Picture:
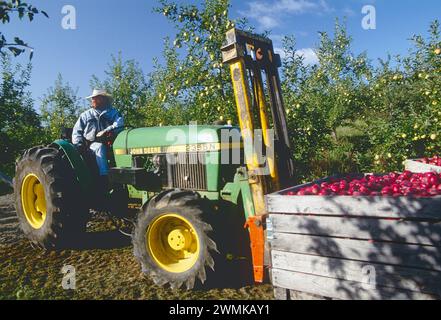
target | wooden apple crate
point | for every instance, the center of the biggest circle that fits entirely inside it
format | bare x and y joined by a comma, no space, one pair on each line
343,247
419,167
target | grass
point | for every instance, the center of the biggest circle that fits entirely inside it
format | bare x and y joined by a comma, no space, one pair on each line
102,272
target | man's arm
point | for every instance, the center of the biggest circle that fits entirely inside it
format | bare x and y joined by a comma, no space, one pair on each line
118,122
77,132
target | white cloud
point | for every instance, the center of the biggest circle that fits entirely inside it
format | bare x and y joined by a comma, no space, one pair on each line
269,14
349,12
280,52
309,56
268,22
294,6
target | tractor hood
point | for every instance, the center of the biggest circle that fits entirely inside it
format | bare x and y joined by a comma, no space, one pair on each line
175,136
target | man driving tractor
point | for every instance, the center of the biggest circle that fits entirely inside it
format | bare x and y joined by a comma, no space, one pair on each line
92,126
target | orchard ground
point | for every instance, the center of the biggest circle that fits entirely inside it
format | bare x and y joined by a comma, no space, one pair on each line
105,268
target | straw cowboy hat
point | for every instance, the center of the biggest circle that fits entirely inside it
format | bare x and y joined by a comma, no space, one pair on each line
99,92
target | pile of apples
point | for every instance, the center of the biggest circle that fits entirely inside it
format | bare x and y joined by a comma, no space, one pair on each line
389,185
436,161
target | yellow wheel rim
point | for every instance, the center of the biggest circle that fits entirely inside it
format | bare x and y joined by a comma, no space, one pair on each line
173,243
33,201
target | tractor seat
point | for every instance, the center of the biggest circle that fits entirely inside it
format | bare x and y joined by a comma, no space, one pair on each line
66,134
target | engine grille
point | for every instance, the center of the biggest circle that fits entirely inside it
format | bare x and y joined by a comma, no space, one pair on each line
186,172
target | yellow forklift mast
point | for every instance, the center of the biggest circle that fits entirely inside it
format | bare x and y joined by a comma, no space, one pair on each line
254,73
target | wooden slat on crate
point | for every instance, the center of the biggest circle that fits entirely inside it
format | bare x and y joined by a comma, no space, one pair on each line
424,257
419,167
280,293
286,294
414,232
380,207
384,275
298,295
340,289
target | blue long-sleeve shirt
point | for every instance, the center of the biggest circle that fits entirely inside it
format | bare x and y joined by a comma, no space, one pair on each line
93,121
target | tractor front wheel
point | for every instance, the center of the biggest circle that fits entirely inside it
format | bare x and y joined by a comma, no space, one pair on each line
170,239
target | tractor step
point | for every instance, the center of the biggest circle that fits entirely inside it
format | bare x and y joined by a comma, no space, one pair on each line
140,178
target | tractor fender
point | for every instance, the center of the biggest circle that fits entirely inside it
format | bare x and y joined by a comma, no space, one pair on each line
82,172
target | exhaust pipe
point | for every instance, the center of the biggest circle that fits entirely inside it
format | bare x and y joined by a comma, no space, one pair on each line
6,179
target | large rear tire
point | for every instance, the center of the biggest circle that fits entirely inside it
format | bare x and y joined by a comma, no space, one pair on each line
170,239
48,200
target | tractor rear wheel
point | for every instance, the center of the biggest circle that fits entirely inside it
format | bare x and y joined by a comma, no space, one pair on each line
170,239
46,198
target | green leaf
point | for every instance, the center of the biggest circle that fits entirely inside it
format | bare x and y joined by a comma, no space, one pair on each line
15,51
19,42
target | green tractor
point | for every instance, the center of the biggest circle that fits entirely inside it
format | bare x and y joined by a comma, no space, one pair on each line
191,199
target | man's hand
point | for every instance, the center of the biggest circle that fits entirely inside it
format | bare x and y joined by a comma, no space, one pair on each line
100,134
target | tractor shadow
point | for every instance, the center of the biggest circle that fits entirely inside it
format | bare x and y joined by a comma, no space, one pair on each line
228,274
101,234
233,268
104,240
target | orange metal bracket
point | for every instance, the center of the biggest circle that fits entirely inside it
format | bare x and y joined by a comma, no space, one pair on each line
255,225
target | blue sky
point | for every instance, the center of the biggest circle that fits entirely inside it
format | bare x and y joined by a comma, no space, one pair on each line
106,27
